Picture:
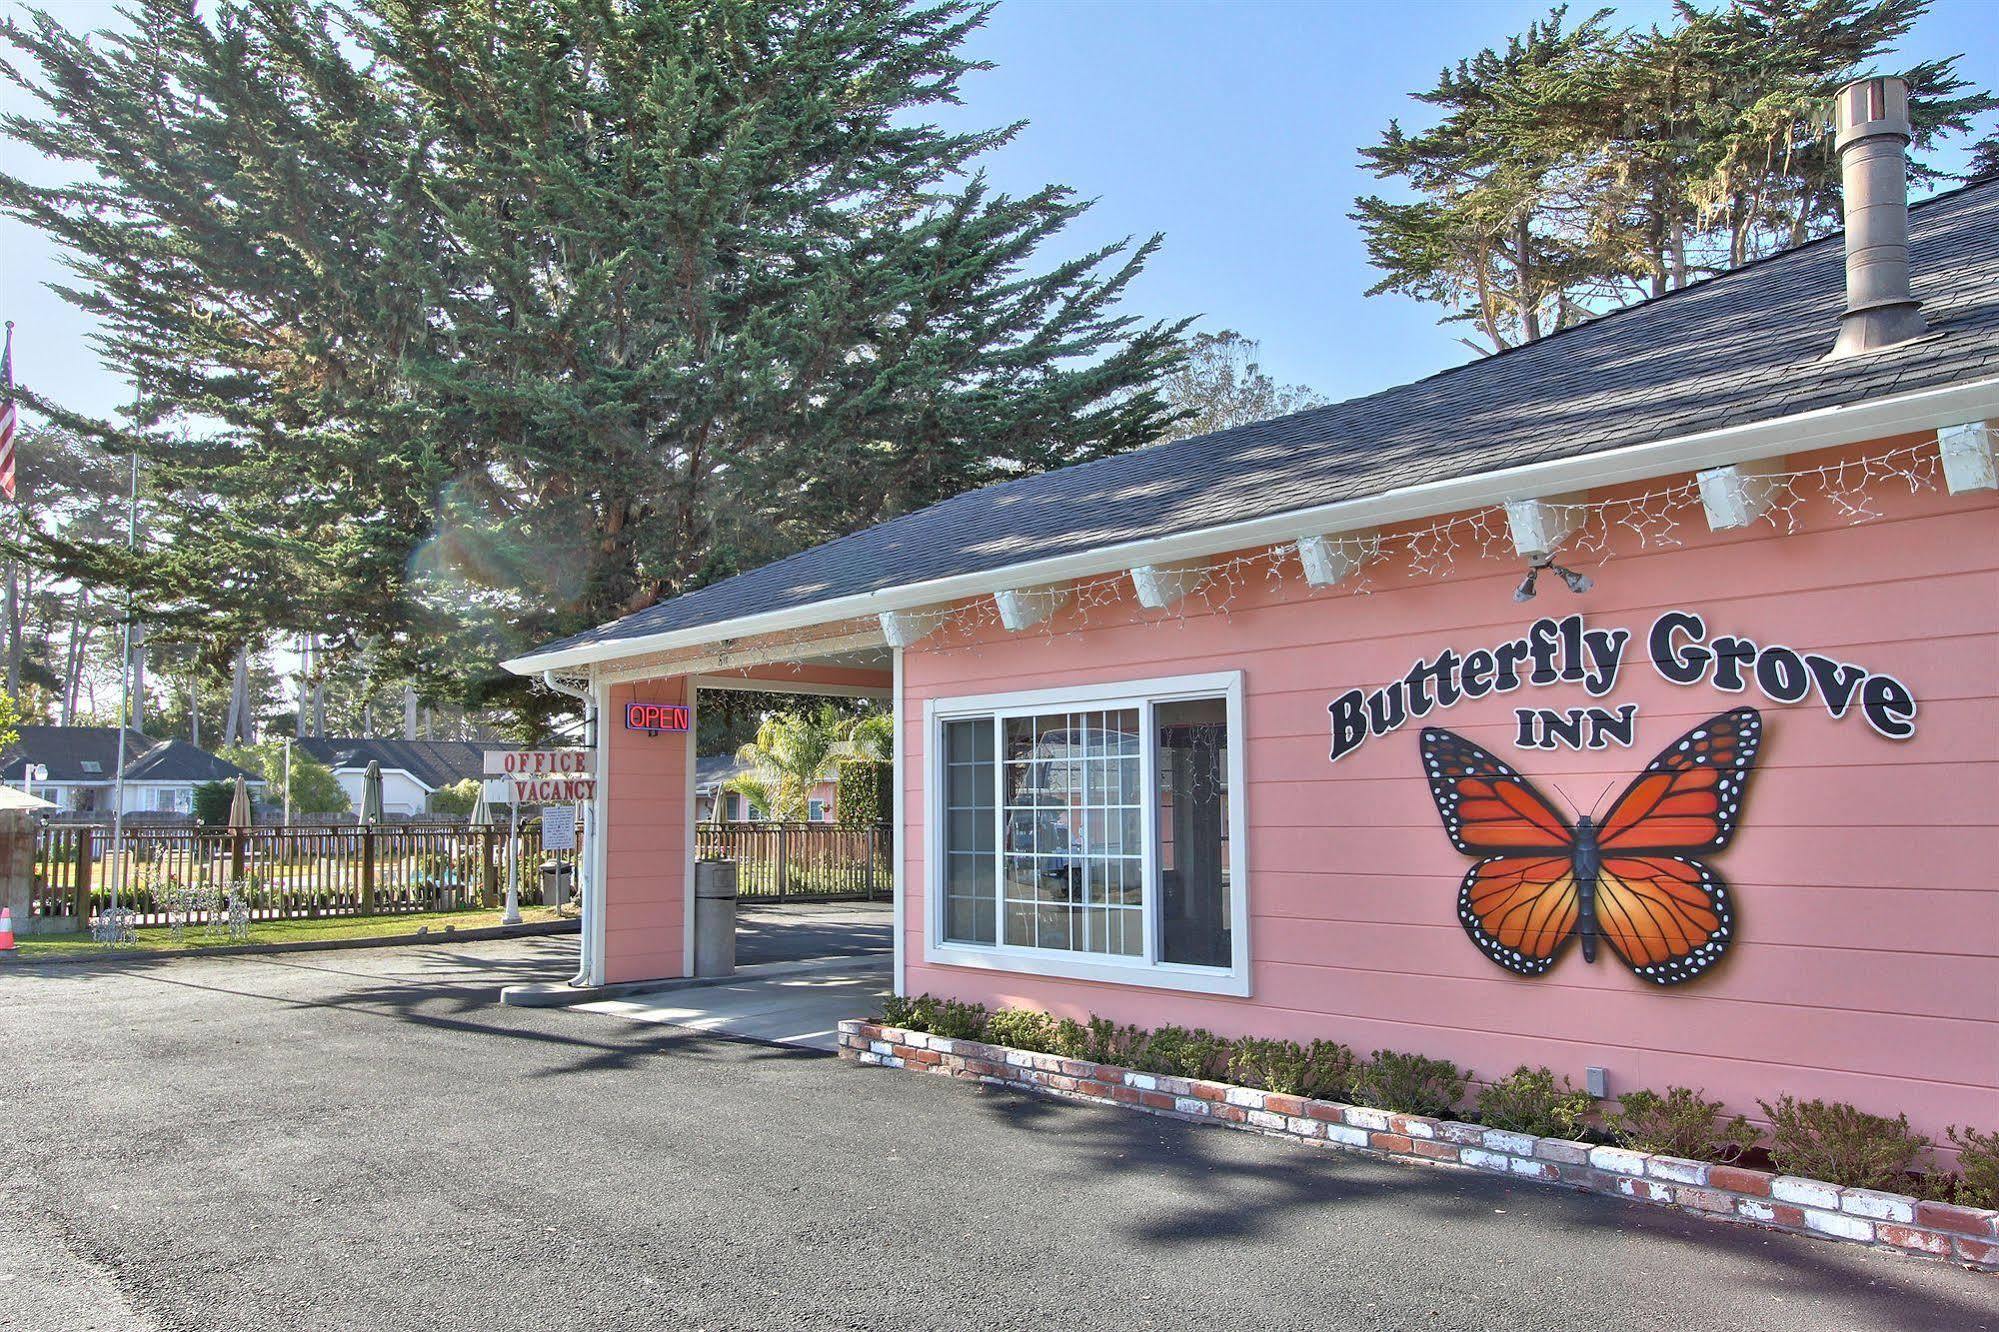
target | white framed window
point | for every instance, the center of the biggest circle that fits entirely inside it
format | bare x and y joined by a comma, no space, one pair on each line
816,811
1093,832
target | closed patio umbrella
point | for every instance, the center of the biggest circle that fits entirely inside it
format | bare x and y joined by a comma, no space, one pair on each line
371,793
239,806
239,825
483,818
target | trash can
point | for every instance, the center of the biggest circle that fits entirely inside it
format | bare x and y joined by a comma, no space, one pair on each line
715,918
556,879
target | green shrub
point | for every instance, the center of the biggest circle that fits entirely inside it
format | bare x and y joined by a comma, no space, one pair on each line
900,1010
1023,1029
1183,1053
960,1022
211,803
1841,1144
1531,1100
863,791
1683,1122
1978,1167
1322,1070
939,1017
1108,1043
1072,1039
1409,1084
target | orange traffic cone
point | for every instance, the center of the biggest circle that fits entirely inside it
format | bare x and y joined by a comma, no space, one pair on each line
6,930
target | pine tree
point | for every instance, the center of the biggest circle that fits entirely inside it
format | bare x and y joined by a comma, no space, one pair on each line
455,326
1577,170
1483,238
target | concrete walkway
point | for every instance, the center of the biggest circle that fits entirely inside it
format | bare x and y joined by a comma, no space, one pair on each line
799,930
789,1010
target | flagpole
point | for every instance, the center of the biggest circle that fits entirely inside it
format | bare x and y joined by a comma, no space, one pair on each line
124,698
13,560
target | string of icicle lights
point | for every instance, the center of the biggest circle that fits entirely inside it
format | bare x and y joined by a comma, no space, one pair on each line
1656,519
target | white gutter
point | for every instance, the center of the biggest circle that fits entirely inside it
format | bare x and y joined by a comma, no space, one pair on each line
1827,427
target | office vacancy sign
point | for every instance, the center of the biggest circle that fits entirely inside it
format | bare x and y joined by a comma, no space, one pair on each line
545,776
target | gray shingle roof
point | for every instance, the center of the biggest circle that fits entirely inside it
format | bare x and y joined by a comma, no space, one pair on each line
1739,348
89,754
435,763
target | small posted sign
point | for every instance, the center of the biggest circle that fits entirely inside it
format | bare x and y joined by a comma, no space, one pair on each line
558,828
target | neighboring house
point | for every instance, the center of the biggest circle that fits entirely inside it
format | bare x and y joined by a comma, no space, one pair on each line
412,770
711,773
82,762
1260,731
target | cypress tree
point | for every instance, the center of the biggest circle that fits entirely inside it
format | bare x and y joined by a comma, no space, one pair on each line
455,326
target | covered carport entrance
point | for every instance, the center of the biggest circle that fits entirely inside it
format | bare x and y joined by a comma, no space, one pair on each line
643,834
814,879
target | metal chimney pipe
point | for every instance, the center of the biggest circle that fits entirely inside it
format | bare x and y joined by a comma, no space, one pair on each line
1874,129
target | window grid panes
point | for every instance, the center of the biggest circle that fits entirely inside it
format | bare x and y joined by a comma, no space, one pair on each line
1073,854
970,868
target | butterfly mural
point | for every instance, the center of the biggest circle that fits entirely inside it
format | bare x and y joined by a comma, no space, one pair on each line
1635,881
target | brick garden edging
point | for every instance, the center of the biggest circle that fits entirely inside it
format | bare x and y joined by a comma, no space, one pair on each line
1722,1192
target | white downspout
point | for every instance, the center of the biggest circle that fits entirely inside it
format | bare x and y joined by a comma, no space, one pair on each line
590,895
898,821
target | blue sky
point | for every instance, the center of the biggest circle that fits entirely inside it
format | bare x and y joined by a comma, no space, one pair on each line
1230,127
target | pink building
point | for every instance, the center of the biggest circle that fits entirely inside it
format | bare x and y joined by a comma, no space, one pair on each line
1254,732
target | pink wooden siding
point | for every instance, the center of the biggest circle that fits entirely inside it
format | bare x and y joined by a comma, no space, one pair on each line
645,854
1866,961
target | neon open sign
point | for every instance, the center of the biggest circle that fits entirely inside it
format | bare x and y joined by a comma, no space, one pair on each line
653,718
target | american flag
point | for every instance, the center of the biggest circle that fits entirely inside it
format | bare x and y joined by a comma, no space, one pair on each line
10,417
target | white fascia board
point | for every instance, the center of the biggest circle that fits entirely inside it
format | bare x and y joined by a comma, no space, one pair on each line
1825,428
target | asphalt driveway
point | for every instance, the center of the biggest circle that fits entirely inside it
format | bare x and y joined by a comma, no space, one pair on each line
365,1140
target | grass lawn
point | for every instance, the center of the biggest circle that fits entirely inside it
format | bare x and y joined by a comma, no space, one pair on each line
323,929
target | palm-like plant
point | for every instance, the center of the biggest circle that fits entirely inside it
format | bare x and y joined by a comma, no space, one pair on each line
794,752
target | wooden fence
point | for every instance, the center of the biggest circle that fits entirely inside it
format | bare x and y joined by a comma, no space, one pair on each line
780,861
284,873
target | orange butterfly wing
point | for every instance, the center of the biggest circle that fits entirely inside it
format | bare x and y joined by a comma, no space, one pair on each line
1520,905
1487,807
1670,918
1520,910
1690,797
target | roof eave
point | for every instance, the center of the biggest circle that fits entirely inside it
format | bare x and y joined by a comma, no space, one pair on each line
1826,427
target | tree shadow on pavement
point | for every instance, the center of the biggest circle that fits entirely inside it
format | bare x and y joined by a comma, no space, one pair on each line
469,1006
1235,1185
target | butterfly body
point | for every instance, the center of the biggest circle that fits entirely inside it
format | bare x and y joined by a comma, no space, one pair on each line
1588,858
1635,881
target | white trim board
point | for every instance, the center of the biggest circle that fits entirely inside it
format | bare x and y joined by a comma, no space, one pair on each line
1827,427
